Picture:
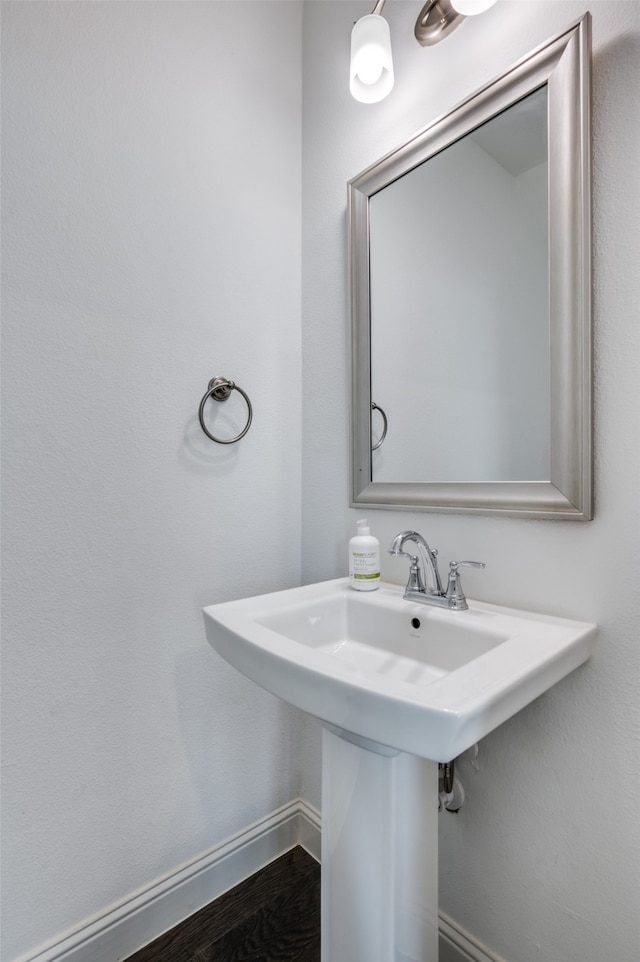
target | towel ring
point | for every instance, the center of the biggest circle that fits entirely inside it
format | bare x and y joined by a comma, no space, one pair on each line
220,389
376,407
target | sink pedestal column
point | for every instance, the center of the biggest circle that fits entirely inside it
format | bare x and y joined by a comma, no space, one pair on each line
379,855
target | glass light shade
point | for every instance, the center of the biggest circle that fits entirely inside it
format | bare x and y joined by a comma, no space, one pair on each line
371,73
470,7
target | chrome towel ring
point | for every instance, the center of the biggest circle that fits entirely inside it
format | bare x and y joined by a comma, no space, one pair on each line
376,407
220,390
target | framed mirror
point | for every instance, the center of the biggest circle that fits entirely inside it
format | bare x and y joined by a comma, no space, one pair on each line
470,249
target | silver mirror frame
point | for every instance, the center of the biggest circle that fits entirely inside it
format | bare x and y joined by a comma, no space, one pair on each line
564,65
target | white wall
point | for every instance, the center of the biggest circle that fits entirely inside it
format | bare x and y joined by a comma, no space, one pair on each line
151,162
542,862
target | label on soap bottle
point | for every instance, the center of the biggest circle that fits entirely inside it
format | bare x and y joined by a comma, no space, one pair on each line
365,565
364,569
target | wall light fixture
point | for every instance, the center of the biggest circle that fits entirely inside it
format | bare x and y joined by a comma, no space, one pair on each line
371,72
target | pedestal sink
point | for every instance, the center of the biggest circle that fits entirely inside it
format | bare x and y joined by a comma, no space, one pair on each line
398,687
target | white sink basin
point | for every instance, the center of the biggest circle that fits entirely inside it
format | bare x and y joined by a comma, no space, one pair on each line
404,676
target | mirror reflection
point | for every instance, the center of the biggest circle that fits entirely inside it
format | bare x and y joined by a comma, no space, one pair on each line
460,308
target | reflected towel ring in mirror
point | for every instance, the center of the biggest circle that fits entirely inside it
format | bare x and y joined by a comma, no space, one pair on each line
385,425
220,390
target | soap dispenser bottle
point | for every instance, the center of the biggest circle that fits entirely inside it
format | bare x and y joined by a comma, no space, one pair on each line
364,559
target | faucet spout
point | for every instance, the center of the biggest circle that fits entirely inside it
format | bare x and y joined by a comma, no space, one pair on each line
429,560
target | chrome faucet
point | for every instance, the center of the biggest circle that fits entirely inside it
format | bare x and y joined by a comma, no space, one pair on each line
427,589
433,586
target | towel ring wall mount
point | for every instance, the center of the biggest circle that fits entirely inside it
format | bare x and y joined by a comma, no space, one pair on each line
220,389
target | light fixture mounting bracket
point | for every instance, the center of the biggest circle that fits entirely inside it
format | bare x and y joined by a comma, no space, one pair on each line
436,20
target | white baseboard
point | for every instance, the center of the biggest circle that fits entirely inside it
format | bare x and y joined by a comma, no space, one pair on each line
456,945
138,920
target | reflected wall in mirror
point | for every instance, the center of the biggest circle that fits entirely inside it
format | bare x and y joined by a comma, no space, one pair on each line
436,236
470,258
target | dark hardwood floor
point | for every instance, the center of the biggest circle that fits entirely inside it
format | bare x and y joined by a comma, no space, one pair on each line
274,916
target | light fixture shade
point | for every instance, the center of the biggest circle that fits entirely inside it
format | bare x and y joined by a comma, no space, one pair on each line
371,73
470,7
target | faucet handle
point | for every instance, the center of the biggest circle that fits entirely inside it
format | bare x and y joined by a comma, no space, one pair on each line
415,582
454,565
454,592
